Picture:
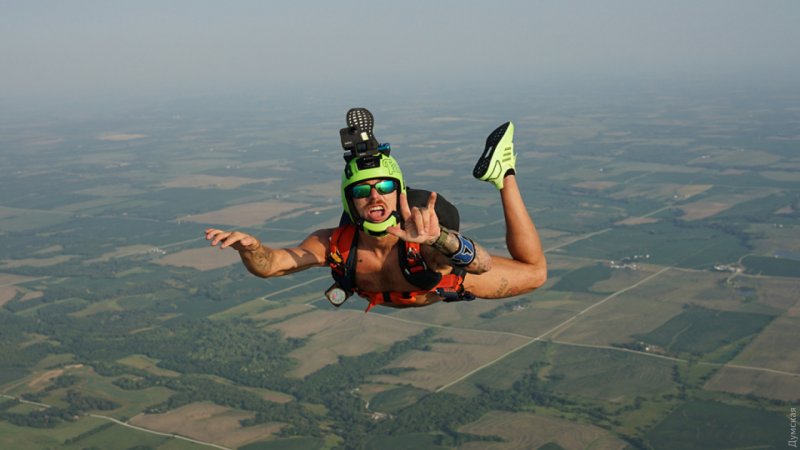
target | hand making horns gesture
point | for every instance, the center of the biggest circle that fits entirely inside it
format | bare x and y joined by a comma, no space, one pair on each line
420,225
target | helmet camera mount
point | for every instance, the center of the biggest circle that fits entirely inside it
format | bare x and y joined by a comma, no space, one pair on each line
357,137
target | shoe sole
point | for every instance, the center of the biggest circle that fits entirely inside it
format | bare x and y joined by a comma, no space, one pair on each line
482,166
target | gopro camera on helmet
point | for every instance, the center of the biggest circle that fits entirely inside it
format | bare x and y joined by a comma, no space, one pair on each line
357,142
357,137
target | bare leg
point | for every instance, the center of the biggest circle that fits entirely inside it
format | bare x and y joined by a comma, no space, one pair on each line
527,268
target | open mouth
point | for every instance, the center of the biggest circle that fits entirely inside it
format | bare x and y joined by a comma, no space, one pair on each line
376,213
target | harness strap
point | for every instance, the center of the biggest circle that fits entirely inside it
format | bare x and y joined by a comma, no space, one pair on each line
342,260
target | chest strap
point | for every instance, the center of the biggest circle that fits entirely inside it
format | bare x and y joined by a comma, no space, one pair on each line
342,261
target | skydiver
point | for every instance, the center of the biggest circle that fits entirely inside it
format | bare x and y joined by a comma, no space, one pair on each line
399,255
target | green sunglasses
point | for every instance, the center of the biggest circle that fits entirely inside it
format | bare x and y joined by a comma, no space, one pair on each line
383,187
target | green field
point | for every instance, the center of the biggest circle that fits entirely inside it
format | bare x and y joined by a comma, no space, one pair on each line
705,425
106,320
395,399
699,330
608,375
301,443
771,266
582,280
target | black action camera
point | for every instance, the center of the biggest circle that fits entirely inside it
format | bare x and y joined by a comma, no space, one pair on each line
358,142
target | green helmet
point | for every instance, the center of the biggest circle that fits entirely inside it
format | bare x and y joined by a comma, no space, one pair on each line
370,167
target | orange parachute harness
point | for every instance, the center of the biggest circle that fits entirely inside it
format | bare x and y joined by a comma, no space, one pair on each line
342,261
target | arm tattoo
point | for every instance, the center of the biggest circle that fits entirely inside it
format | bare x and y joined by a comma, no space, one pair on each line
258,261
503,289
449,244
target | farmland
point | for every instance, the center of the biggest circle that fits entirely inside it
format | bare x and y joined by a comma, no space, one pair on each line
669,317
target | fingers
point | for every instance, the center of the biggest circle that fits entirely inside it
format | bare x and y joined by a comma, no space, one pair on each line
432,201
227,239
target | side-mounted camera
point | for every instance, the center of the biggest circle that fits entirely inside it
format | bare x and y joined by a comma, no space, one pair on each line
357,138
358,142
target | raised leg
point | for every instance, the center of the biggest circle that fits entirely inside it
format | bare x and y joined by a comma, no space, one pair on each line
526,270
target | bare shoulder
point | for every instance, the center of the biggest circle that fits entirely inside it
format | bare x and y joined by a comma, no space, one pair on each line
318,241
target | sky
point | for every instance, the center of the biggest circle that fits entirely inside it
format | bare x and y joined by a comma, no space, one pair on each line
84,48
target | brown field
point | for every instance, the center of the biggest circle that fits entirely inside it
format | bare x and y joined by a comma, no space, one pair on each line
702,209
447,361
762,384
615,320
535,319
120,137
775,347
207,422
595,185
654,191
709,207
682,286
213,181
690,190
39,381
279,313
35,262
31,295
246,215
203,259
461,314
6,294
147,364
530,431
637,221
779,293
121,251
335,333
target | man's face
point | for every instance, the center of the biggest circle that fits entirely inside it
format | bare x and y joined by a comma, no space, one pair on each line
374,206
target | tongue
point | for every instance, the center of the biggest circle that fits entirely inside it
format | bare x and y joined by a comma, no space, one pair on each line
375,215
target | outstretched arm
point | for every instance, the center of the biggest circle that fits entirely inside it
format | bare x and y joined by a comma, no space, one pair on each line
264,261
421,225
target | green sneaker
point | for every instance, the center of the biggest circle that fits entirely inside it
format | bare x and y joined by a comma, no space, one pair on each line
498,158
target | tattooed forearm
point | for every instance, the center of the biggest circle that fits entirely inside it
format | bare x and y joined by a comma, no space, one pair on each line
259,261
449,243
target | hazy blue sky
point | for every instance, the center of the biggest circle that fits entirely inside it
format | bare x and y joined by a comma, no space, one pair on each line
79,47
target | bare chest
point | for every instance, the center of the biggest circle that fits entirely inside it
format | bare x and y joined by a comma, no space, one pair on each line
376,273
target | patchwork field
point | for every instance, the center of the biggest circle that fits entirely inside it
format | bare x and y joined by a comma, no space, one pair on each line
774,348
207,422
530,431
459,354
746,381
246,215
203,259
331,335
668,321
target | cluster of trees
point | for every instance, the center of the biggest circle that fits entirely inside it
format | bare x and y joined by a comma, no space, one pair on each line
45,417
41,418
